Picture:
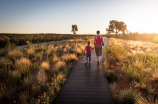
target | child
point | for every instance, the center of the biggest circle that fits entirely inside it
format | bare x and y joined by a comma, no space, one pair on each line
88,52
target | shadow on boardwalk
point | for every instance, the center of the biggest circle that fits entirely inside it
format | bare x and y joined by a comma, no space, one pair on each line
86,84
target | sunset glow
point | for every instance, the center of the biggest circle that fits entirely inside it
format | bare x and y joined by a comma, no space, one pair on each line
57,16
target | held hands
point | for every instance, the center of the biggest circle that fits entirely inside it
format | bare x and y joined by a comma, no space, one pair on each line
85,52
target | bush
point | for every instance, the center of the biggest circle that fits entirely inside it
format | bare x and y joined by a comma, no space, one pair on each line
111,76
60,79
115,53
3,53
127,96
35,65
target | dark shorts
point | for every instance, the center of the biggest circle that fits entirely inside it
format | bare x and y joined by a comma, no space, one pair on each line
98,50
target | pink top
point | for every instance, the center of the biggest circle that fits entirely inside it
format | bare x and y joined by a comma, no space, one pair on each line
98,40
88,49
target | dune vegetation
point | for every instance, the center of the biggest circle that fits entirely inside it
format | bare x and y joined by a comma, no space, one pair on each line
131,68
35,73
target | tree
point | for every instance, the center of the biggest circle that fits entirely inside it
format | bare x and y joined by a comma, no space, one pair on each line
74,29
117,27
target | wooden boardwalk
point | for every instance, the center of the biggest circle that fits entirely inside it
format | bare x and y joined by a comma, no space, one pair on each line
86,84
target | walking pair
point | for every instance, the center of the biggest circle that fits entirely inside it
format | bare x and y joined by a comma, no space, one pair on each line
98,42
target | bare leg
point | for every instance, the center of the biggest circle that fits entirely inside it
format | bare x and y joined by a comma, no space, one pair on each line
97,58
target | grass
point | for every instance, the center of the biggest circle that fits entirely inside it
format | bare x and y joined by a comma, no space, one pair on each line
16,75
31,51
35,88
127,96
15,54
78,50
143,100
28,81
111,76
23,64
41,77
38,70
24,96
58,66
45,65
73,57
135,63
55,57
5,63
66,57
155,76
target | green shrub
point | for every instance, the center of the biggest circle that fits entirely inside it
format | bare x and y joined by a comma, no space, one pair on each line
39,50
5,63
9,45
127,96
3,53
115,53
111,76
60,79
35,65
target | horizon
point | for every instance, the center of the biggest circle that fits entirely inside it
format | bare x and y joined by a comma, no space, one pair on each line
58,16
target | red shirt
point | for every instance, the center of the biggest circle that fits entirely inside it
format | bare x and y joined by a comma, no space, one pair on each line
98,40
88,49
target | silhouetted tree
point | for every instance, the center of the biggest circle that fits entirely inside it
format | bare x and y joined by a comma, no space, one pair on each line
74,29
117,27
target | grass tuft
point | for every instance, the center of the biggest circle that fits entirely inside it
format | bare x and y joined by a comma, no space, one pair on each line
41,77
15,54
45,65
28,81
127,96
59,65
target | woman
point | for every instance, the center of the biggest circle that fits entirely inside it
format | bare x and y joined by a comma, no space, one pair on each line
98,42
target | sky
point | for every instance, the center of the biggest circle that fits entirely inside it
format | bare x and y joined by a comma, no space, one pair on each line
57,16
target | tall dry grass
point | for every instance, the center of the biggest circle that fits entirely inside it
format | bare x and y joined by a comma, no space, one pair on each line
138,63
15,53
73,56
31,51
45,65
23,64
142,100
41,77
34,82
28,81
58,66
16,75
